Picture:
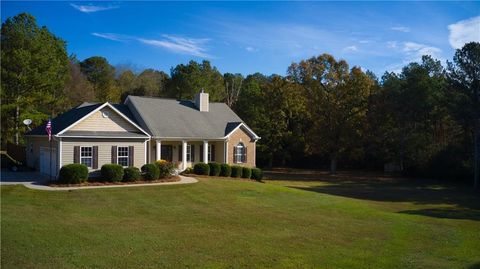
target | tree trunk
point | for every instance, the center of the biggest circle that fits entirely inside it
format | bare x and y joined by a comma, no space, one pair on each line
476,139
333,164
17,119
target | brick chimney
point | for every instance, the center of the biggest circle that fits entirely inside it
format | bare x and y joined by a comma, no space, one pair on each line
201,101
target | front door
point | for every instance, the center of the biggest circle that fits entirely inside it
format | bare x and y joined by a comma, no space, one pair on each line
167,153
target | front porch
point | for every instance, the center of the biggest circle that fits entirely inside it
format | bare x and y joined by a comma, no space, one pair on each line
192,151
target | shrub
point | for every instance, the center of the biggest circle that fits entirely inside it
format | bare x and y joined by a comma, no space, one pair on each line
131,174
257,174
201,169
246,172
215,169
165,168
73,173
111,172
150,171
237,171
189,170
225,170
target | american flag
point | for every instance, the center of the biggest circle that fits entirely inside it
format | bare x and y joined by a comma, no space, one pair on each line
48,128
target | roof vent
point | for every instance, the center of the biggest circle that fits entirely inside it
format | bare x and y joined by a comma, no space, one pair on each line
201,101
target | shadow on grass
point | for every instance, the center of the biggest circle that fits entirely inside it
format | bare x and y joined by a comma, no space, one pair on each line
475,266
378,187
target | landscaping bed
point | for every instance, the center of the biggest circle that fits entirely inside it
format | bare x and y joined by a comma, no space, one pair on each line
103,183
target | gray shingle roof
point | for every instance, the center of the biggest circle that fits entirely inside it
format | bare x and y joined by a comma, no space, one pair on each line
103,134
171,118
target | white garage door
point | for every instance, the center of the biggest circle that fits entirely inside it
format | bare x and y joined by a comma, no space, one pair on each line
48,162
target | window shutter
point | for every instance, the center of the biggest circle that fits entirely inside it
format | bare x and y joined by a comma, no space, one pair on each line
76,154
234,154
192,153
131,156
213,153
95,157
114,154
201,153
180,153
245,154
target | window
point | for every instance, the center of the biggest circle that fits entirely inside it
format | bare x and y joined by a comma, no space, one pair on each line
189,153
210,153
240,153
122,156
86,156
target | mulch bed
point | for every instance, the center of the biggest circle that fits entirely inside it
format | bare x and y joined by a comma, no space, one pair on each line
220,177
97,183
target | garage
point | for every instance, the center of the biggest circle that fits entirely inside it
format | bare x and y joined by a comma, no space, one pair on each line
48,161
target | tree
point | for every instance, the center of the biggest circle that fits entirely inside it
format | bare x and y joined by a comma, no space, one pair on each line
464,77
338,101
78,89
101,74
280,120
187,80
150,83
34,70
233,87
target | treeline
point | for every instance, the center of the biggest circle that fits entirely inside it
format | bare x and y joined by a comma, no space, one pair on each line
322,114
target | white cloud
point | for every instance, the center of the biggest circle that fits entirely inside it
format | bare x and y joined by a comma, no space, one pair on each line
110,36
464,31
415,51
350,49
250,49
92,8
392,44
181,45
400,29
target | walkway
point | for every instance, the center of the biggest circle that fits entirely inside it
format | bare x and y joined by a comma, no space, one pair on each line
34,180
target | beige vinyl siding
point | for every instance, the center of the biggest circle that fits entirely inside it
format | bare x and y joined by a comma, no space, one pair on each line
113,123
241,135
104,149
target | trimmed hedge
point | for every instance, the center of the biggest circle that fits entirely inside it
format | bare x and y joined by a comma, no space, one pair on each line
215,169
237,171
257,174
165,168
201,169
73,173
246,172
111,172
150,171
225,170
131,174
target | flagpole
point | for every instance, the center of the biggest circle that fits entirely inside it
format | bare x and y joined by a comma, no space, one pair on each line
50,158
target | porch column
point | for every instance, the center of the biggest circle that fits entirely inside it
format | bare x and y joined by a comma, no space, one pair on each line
205,151
159,150
184,154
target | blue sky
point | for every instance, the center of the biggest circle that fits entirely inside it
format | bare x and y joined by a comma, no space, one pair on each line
248,37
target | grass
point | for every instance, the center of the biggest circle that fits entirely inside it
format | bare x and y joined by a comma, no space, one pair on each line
310,220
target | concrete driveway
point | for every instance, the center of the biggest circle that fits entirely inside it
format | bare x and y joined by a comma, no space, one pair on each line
11,178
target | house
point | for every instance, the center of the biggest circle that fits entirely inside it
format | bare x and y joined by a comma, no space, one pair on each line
143,130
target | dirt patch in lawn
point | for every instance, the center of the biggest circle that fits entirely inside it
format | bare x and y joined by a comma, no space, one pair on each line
98,183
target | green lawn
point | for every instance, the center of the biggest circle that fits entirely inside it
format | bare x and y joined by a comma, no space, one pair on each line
310,221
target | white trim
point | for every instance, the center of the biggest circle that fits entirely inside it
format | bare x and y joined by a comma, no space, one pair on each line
128,155
158,149
80,157
99,136
226,151
59,154
255,136
206,149
98,109
184,154
145,151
